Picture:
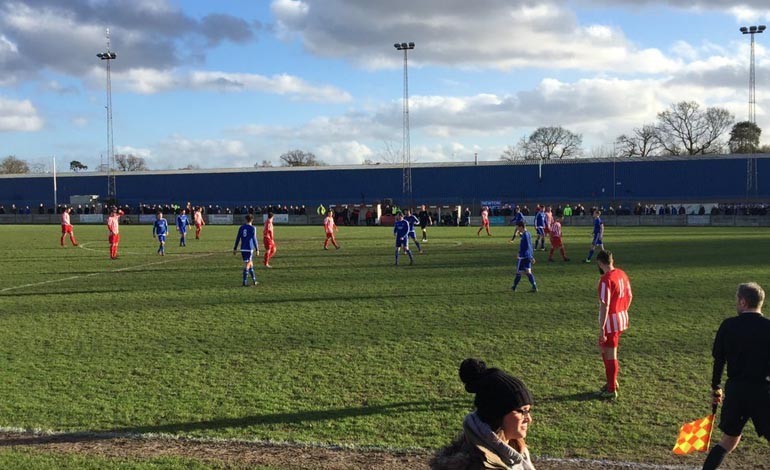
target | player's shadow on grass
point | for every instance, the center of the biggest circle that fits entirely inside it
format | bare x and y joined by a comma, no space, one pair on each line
294,418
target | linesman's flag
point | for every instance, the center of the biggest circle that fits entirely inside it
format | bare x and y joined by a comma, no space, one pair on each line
694,436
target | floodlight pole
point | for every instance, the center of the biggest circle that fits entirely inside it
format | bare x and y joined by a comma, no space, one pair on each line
406,144
751,162
108,57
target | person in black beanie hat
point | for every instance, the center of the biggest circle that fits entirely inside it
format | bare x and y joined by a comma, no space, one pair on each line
493,435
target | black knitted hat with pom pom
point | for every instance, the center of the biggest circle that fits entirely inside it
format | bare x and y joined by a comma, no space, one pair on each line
497,392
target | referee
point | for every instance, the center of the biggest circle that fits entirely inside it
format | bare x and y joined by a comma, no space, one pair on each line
743,342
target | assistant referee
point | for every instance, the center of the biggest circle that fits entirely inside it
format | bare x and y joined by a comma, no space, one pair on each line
743,343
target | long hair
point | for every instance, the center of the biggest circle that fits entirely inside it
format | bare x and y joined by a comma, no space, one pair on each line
519,444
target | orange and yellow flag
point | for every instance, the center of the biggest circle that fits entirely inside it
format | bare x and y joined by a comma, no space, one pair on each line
694,436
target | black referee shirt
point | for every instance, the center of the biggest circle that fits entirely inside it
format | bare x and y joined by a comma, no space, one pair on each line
743,341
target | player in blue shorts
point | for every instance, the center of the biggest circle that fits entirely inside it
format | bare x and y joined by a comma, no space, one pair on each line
525,258
247,237
182,222
517,217
413,221
598,236
160,230
401,231
540,227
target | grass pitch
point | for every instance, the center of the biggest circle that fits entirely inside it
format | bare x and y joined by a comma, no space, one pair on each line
341,347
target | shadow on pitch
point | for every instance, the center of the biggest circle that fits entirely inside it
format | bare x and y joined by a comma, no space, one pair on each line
294,418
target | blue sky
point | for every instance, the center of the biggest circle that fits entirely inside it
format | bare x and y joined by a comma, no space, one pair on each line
231,84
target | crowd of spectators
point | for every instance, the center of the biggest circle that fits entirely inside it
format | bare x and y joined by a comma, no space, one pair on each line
349,214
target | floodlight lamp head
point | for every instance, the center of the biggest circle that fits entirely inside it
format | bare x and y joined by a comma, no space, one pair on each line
744,29
397,46
411,45
762,28
753,29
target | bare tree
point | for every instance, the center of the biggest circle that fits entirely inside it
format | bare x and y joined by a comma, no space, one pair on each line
390,152
511,153
264,164
643,142
601,151
13,165
300,158
130,163
191,166
685,129
38,168
551,143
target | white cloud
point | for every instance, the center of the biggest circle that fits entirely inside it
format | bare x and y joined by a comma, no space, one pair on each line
282,84
206,153
501,35
745,14
7,48
19,116
147,34
144,81
80,121
135,151
152,81
350,152
290,15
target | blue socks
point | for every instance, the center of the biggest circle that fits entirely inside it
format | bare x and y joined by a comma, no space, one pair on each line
590,254
249,272
531,278
408,252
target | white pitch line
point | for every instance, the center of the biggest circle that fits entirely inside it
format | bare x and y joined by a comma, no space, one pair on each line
128,268
84,246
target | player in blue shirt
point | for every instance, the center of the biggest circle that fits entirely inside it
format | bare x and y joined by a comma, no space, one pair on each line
525,258
517,217
401,231
247,237
160,230
182,222
598,236
540,227
413,220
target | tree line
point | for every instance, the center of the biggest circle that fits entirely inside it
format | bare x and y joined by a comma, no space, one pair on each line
682,129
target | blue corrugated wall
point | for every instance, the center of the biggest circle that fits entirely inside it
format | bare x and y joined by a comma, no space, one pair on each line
722,179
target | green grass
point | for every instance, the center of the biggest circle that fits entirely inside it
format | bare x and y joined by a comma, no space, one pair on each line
341,347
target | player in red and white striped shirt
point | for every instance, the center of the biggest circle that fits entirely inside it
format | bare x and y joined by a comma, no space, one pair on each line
66,227
484,221
614,300
113,225
198,221
268,240
330,227
556,242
